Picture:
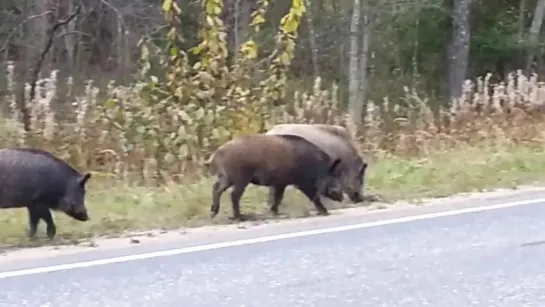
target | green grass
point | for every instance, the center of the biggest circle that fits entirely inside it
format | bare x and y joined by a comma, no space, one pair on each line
114,210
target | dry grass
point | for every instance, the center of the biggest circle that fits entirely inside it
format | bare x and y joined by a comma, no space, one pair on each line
493,137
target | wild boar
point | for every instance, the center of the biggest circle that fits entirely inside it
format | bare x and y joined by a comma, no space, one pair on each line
274,161
39,181
337,143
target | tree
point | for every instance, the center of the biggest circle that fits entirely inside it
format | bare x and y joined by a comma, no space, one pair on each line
459,46
365,33
533,35
354,76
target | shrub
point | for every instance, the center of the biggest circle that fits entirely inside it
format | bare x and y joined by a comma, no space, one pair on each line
126,138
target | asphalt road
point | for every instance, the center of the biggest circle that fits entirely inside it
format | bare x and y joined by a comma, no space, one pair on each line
488,258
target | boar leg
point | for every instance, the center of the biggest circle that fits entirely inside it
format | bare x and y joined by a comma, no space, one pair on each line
270,199
33,220
276,194
218,188
236,194
48,219
311,192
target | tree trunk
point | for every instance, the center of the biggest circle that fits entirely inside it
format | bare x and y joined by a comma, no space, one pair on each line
236,38
35,36
353,75
533,34
312,39
459,47
237,16
365,33
521,33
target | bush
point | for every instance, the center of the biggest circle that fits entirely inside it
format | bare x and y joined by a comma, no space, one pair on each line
126,138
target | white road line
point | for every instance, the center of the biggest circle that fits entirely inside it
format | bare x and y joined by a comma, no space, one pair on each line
199,248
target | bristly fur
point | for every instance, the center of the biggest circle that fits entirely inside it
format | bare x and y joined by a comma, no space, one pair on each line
337,143
39,181
274,161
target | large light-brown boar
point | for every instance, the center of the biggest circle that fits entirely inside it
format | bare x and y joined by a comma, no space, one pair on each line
274,161
337,143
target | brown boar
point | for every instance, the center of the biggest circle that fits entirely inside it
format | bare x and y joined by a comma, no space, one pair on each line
337,143
274,161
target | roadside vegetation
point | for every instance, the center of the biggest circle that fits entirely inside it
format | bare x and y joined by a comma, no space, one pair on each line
145,142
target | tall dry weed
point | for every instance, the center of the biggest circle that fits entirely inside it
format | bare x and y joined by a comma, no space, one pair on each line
117,138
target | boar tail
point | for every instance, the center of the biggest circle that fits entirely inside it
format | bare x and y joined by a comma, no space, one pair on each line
209,165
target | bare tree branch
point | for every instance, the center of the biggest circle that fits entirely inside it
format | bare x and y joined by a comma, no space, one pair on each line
8,39
39,63
72,33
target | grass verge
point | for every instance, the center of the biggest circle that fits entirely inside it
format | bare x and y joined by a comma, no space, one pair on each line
118,209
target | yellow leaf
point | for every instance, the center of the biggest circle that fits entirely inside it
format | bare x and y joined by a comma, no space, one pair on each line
169,157
178,92
183,115
176,8
211,8
110,103
209,116
197,65
184,151
171,35
291,25
285,59
199,114
196,49
144,52
215,133
167,5
250,49
217,10
182,134
258,19
210,20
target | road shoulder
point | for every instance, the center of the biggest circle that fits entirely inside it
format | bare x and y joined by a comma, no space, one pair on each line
149,241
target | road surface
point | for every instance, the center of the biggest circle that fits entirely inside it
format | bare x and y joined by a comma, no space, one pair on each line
485,258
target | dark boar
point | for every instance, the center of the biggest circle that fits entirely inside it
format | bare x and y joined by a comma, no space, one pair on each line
277,162
39,181
337,143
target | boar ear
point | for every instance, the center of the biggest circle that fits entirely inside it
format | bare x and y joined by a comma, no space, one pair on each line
334,166
83,179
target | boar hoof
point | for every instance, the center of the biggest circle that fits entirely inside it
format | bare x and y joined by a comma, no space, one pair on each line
323,213
213,214
51,232
32,234
239,218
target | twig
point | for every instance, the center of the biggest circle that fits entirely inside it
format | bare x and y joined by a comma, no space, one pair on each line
12,32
